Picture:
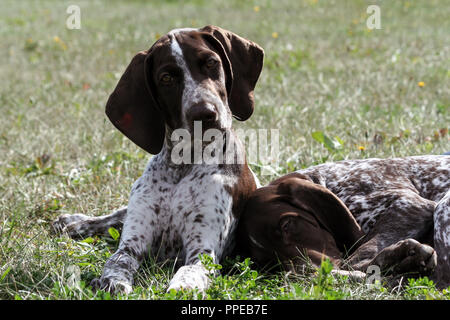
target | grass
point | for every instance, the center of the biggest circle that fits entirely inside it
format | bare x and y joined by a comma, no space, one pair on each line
334,89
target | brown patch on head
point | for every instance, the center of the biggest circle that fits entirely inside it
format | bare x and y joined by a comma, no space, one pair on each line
205,64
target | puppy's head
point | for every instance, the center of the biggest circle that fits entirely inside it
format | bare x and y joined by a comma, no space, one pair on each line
292,218
188,75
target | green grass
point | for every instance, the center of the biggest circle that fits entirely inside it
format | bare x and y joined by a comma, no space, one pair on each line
333,89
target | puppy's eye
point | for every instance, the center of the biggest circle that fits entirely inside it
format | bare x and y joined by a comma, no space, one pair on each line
285,224
211,63
166,78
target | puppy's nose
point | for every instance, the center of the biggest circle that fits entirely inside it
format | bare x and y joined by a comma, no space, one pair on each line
202,112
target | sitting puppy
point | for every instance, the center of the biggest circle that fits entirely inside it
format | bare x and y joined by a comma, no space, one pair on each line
180,208
385,212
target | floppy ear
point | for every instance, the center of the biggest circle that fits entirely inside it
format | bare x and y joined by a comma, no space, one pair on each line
133,110
331,213
289,176
243,61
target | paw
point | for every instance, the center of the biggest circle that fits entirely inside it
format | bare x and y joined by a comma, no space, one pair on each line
73,225
112,285
416,257
190,277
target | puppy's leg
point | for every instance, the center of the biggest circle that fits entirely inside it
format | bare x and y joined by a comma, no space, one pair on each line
406,256
137,236
442,240
122,265
208,239
407,217
79,226
193,274
207,231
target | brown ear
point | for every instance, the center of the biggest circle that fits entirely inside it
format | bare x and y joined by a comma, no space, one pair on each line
132,108
331,213
289,176
245,59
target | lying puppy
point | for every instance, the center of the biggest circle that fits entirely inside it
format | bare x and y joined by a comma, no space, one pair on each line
385,212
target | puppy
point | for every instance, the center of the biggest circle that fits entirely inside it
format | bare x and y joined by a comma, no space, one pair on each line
393,213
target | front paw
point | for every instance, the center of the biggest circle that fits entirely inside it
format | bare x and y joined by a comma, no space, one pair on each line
74,225
65,219
189,278
407,256
112,285
419,258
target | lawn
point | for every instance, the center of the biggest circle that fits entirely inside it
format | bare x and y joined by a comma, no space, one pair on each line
371,93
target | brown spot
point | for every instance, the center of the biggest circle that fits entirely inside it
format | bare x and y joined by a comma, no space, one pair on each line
187,213
198,218
195,252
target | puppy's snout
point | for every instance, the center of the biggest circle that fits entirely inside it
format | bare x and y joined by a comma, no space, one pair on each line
204,112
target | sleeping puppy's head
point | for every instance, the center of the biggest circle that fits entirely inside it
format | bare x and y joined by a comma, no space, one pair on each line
293,217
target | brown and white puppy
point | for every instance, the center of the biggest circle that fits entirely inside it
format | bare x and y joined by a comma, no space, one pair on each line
180,209
384,212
